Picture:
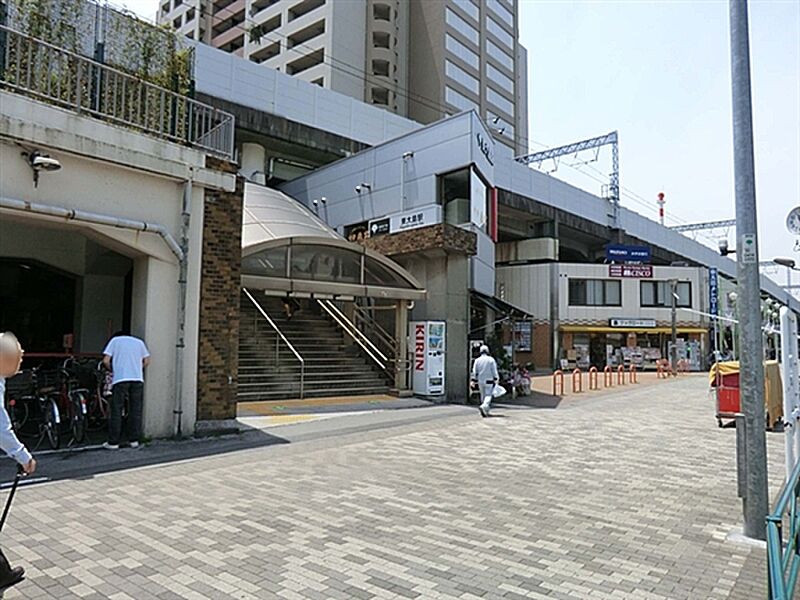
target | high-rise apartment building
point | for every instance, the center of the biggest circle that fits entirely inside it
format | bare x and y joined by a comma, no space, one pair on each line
423,59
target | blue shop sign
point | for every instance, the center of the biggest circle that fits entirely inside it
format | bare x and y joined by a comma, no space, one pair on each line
619,253
713,291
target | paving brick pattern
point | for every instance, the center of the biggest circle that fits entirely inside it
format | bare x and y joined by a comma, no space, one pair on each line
623,496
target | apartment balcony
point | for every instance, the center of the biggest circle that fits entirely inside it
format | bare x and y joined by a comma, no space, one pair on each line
50,74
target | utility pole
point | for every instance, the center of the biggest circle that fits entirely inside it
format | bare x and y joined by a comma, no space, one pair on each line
755,501
673,351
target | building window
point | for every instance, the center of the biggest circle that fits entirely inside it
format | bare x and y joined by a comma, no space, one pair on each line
595,292
459,75
306,62
496,76
320,82
260,5
165,8
380,68
499,101
469,7
659,294
499,55
502,11
457,100
464,196
190,15
303,8
461,51
382,12
461,26
306,34
381,39
495,29
177,23
380,96
266,53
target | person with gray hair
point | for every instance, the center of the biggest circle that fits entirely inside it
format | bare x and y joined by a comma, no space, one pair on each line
485,376
10,361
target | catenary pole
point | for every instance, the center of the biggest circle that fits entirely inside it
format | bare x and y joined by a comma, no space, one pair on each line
755,502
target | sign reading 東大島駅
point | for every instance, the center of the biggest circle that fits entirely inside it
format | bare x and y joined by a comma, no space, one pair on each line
633,323
413,219
634,271
620,253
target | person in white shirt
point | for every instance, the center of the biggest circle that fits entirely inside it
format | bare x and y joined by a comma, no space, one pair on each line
127,357
485,376
10,361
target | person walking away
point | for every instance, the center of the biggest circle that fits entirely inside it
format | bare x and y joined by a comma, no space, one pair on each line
10,361
127,357
484,374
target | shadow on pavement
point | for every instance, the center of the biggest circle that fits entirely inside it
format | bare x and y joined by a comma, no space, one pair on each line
84,463
535,400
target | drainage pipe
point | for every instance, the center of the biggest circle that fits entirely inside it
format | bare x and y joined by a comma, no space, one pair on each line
180,338
71,214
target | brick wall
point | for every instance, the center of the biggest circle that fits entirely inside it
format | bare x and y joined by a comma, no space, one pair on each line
220,289
434,237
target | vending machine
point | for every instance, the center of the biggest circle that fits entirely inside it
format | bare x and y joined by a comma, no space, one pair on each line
427,338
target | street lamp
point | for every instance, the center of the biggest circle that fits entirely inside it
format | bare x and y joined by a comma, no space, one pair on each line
789,263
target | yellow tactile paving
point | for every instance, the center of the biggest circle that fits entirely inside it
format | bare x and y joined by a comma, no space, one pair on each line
281,407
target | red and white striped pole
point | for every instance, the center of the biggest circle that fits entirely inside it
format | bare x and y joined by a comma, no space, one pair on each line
661,203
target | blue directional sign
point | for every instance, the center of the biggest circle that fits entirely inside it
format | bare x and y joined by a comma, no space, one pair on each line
620,253
713,291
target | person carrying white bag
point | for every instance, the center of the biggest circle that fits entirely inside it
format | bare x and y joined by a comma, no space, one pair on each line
485,376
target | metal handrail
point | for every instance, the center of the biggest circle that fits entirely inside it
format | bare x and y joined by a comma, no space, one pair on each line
283,337
783,561
375,328
58,76
353,331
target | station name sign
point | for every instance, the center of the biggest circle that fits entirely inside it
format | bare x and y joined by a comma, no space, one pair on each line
620,253
634,271
414,219
633,323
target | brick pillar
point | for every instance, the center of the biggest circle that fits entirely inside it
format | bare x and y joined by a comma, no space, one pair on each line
220,288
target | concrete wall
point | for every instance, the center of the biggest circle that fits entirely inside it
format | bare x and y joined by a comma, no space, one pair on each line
446,278
231,78
348,24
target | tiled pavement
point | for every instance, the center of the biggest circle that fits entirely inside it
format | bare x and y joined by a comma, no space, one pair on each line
622,496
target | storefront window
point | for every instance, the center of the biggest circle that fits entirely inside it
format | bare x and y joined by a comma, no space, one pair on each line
595,292
658,294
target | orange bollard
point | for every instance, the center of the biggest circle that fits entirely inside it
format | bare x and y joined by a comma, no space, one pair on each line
661,373
577,376
594,384
558,380
633,374
608,377
621,375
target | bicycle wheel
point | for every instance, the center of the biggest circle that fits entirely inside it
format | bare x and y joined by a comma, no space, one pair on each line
18,414
78,417
52,423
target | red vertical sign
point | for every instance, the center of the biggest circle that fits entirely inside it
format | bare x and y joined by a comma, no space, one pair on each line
493,216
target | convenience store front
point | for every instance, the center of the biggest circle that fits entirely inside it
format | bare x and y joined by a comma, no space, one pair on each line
638,342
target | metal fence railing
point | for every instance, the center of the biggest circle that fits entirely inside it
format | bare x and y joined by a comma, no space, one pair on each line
783,551
54,75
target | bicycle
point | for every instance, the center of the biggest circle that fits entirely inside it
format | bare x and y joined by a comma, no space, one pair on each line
72,400
33,387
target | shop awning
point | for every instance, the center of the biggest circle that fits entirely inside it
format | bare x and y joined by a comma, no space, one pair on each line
501,307
602,329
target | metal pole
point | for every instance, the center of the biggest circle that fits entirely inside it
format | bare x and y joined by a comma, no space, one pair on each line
673,353
756,502
789,374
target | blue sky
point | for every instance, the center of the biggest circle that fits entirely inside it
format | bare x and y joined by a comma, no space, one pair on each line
659,73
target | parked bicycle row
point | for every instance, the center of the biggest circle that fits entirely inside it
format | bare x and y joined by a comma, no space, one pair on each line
60,401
